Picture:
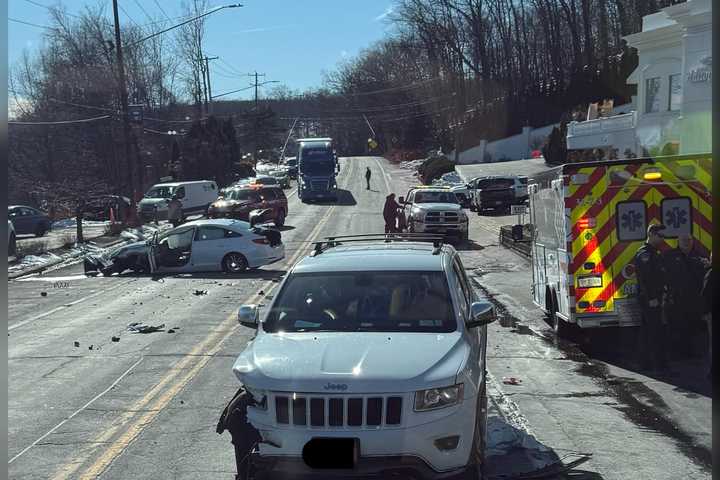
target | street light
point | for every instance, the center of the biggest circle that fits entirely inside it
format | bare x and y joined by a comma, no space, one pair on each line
233,5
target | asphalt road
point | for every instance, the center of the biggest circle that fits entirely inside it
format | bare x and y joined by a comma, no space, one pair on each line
147,405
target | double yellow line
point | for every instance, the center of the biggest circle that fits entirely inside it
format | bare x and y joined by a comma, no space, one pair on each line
123,431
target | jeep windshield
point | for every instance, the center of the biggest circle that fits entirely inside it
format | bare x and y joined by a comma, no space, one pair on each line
435,197
363,301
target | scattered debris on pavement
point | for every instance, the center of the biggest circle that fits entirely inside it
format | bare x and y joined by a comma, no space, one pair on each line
171,330
511,381
138,327
200,292
77,344
43,294
115,339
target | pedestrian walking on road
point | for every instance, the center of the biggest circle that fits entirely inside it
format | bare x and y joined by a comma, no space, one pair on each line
175,211
368,174
707,295
390,213
651,288
683,303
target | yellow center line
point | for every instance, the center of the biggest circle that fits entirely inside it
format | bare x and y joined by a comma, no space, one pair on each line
210,344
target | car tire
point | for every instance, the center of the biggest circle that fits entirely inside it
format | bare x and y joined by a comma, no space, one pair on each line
40,231
234,263
12,246
280,220
476,462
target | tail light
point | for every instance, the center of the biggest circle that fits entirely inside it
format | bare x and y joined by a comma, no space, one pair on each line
586,222
261,241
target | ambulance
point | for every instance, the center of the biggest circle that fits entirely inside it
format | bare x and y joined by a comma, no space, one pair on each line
589,220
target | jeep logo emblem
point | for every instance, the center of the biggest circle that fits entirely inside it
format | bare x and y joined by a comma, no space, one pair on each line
336,386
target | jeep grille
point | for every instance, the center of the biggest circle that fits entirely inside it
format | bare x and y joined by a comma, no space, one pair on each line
338,411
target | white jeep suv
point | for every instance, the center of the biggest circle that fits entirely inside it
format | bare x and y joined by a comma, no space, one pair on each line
373,349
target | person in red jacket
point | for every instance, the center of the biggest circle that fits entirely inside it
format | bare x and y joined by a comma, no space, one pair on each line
390,213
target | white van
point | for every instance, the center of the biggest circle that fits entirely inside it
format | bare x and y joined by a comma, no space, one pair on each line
195,196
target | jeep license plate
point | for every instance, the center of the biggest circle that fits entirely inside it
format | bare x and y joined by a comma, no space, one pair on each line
332,453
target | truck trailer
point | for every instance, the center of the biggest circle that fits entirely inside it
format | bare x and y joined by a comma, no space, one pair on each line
589,221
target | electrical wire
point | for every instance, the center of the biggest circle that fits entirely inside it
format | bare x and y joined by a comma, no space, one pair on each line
31,24
62,122
49,8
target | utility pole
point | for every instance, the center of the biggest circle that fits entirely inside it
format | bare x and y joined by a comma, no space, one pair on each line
209,89
124,102
256,119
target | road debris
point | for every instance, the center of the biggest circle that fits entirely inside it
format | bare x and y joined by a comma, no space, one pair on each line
138,327
115,339
77,344
43,294
511,381
200,292
171,331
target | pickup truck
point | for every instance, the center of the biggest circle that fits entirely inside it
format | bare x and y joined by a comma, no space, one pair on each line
497,193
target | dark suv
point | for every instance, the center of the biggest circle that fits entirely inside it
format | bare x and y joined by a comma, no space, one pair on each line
498,193
237,202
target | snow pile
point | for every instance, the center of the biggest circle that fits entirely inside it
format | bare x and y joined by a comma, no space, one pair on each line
412,164
72,223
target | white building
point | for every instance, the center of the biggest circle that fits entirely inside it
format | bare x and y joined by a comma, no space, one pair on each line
673,106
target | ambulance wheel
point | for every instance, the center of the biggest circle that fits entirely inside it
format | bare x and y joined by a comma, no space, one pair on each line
560,326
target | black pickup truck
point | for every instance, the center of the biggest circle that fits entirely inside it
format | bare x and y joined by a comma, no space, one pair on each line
494,193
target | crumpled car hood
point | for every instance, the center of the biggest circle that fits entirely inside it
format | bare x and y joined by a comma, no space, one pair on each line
356,361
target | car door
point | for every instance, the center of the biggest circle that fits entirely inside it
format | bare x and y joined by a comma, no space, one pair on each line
173,252
476,335
269,200
209,247
25,221
15,216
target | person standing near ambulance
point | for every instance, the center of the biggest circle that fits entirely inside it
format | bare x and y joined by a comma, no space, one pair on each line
651,289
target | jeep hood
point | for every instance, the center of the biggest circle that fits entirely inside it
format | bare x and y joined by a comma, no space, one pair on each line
437,207
363,362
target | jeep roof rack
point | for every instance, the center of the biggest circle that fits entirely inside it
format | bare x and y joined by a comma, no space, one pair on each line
334,241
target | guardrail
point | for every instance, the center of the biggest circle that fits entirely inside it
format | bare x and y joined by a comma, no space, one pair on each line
523,245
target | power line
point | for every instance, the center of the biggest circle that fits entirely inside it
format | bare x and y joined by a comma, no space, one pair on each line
62,122
49,8
31,24
143,10
161,9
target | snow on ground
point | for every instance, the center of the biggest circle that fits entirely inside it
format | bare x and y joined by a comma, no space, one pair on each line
72,223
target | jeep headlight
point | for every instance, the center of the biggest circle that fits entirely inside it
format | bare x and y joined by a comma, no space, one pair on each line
260,397
435,398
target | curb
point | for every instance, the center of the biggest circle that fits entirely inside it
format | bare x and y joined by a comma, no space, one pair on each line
40,268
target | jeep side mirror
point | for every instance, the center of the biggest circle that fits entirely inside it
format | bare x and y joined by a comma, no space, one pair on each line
481,313
248,316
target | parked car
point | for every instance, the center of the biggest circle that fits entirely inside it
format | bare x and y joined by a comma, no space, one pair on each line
292,164
12,244
430,209
497,192
260,179
98,208
203,245
195,196
238,202
375,351
282,176
28,220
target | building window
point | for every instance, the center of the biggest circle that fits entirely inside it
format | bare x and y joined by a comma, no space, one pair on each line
675,97
652,95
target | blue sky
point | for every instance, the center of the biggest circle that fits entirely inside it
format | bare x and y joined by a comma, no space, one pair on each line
290,40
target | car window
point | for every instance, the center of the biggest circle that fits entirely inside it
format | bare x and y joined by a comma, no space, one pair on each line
180,239
232,233
209,233
268,194
462,279
435,197
379,301
180,192
241,194
27,212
